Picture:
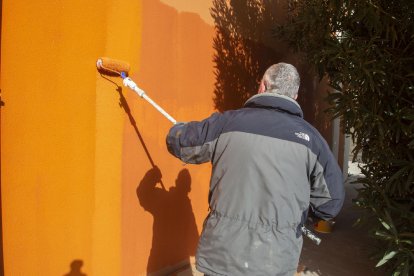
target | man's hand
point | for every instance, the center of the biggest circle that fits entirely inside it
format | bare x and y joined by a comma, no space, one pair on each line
153,175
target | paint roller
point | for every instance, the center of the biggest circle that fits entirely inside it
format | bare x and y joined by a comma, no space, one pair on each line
118,68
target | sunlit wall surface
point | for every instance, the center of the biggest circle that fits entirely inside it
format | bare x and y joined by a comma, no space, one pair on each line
79,194
72,156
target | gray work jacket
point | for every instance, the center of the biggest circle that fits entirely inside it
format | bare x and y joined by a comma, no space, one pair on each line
269,167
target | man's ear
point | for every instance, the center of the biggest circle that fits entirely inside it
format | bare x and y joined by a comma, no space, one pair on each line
262,87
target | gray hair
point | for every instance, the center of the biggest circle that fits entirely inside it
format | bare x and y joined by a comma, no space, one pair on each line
282,78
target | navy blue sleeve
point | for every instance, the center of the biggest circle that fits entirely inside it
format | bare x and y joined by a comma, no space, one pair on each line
194,142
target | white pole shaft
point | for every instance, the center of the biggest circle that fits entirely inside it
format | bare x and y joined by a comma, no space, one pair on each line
128,82
159,108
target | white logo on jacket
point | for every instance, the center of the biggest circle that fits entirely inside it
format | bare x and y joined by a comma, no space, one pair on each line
303,136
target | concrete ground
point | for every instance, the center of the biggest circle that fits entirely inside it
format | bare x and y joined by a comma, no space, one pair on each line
344,252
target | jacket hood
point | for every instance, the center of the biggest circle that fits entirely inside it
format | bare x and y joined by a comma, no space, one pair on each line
275,101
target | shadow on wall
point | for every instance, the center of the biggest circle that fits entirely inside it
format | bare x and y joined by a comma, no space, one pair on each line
124,104
245,47
242,56
175,233
75,268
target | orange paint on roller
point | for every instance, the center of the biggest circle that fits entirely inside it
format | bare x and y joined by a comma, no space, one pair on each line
112,67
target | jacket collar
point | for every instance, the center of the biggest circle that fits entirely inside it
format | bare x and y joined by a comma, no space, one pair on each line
275,101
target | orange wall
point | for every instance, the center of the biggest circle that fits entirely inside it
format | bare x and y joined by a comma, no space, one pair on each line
176,69
71,159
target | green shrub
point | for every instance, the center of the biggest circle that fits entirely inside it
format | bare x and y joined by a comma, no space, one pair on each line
366,48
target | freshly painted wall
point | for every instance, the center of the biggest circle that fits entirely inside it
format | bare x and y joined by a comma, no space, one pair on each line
71,159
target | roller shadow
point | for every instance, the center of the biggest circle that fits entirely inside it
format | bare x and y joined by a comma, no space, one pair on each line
75,268
175,233
124,104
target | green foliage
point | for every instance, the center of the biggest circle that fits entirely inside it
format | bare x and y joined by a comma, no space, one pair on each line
366,48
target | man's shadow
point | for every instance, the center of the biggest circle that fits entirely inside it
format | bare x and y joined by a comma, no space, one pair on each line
175,233
75,268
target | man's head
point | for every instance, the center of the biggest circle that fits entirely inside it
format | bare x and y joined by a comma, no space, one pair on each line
282,79
183,181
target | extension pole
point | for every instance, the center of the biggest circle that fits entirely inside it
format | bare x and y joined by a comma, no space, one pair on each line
128,82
